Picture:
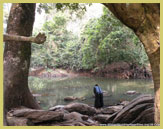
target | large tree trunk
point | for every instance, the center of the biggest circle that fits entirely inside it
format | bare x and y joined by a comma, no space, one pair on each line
144,20
17,58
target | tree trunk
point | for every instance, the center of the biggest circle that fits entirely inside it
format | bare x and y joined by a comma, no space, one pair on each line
17,58
144,20
155,65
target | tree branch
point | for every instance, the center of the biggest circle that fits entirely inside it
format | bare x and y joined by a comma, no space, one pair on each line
39,39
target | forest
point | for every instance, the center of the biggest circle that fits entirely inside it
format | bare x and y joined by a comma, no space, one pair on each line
102,41
54,54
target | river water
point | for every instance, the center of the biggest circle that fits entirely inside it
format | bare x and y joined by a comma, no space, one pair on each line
51,92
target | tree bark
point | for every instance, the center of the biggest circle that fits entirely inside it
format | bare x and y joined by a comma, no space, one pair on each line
144,20
39,39
17,58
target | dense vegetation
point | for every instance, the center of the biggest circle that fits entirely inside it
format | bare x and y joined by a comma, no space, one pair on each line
102,41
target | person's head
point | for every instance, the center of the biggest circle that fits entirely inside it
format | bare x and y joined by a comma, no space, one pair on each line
96,84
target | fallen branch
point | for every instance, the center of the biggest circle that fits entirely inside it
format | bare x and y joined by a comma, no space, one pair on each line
39,39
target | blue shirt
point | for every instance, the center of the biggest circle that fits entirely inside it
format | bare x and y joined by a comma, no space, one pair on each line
98,89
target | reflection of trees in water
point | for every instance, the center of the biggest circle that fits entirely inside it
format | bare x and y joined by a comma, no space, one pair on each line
83,87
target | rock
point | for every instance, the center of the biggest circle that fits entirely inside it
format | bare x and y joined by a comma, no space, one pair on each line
62,110
56,107
36,95
76,119
111,109
144,117
106,93
130,92
19,121
137,111
39,102
85,117
111,118
101,118
75,123
75,116
37,116
124,103
70,98
80,108
133,109
91,121
82,98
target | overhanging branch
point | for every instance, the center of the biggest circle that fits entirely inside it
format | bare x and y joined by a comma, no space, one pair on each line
39,39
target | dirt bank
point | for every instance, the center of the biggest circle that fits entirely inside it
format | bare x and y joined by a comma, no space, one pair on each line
120,70
123,70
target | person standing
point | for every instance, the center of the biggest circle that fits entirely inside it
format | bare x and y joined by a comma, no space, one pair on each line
98,96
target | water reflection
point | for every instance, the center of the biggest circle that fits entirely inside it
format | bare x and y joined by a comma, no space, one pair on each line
53,91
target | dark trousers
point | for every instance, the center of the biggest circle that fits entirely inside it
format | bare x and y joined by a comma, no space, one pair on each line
99,100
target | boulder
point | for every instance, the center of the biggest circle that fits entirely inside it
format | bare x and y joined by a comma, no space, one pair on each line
134,109
101,118
56,107
80,108
75,119
18,121
37,116
36,95
105,93
111,109
144,117
70,98
75,116
76,123
131,92
123,103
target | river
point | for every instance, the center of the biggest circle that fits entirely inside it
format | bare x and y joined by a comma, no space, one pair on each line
51,92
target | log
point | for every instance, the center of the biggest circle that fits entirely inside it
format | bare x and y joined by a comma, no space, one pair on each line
39,39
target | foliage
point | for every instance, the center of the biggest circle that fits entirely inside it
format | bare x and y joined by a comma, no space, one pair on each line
54,52
78,9
107,40
5,16
102,41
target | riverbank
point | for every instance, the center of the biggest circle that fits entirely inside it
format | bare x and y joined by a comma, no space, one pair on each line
138,111
120,70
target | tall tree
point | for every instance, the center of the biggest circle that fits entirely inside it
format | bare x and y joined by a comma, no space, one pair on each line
144,20
17,58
